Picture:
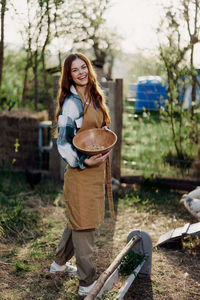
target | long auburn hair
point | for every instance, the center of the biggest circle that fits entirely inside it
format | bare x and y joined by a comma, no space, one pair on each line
94,91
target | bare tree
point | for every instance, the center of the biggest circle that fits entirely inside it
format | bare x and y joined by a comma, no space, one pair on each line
191,15
75,23
179,69
89,31
28,50
37,34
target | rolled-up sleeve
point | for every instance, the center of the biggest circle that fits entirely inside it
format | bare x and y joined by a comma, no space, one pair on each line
66,132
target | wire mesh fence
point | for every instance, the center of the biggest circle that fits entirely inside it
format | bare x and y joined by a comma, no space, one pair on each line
148,148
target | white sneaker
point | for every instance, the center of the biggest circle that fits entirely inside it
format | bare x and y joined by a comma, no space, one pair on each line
84,290
71,270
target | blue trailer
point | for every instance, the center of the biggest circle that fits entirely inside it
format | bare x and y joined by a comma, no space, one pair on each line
151,93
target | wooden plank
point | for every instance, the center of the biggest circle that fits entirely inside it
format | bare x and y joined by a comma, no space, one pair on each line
193,229
179,184
176,234
180,231
57,164
110,282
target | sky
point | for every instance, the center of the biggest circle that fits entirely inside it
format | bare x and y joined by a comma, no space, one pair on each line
135,20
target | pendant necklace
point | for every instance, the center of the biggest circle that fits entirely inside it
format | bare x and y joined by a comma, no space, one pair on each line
86,101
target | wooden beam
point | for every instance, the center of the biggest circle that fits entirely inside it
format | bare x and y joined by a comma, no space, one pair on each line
173,183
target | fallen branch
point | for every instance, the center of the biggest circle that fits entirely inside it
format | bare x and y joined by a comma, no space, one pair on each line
105,275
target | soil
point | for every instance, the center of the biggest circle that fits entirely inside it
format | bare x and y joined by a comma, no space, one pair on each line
174,275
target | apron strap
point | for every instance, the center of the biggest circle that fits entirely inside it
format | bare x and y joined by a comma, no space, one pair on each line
109,188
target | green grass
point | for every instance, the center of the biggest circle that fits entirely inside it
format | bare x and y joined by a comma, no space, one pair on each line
149,198
20,267
148,148
17,217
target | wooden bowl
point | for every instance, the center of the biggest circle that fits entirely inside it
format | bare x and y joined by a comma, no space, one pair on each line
95,141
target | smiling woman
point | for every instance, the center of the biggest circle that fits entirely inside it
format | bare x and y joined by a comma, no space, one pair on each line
80,106
79,72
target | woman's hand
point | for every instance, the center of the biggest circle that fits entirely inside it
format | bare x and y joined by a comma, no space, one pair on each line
96,160
105,127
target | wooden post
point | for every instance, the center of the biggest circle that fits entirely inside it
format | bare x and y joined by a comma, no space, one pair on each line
114,95
109,188
55,90
116,170
195,169
104,276
57,164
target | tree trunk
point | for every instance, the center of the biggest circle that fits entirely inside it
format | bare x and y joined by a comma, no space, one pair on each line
29,59
25,84
56,33
46,42
105,275
3,10
109,72
193,96
35,70
60,61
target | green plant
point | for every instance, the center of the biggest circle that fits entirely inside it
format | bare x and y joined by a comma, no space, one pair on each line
20,267
130,262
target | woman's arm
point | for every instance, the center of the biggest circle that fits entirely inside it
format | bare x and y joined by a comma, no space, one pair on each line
66,132
96,159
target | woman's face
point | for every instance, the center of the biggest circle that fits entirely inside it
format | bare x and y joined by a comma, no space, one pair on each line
79,72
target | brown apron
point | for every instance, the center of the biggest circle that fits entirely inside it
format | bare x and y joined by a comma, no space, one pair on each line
84,190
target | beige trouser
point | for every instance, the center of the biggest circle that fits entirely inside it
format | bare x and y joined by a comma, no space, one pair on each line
80,243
